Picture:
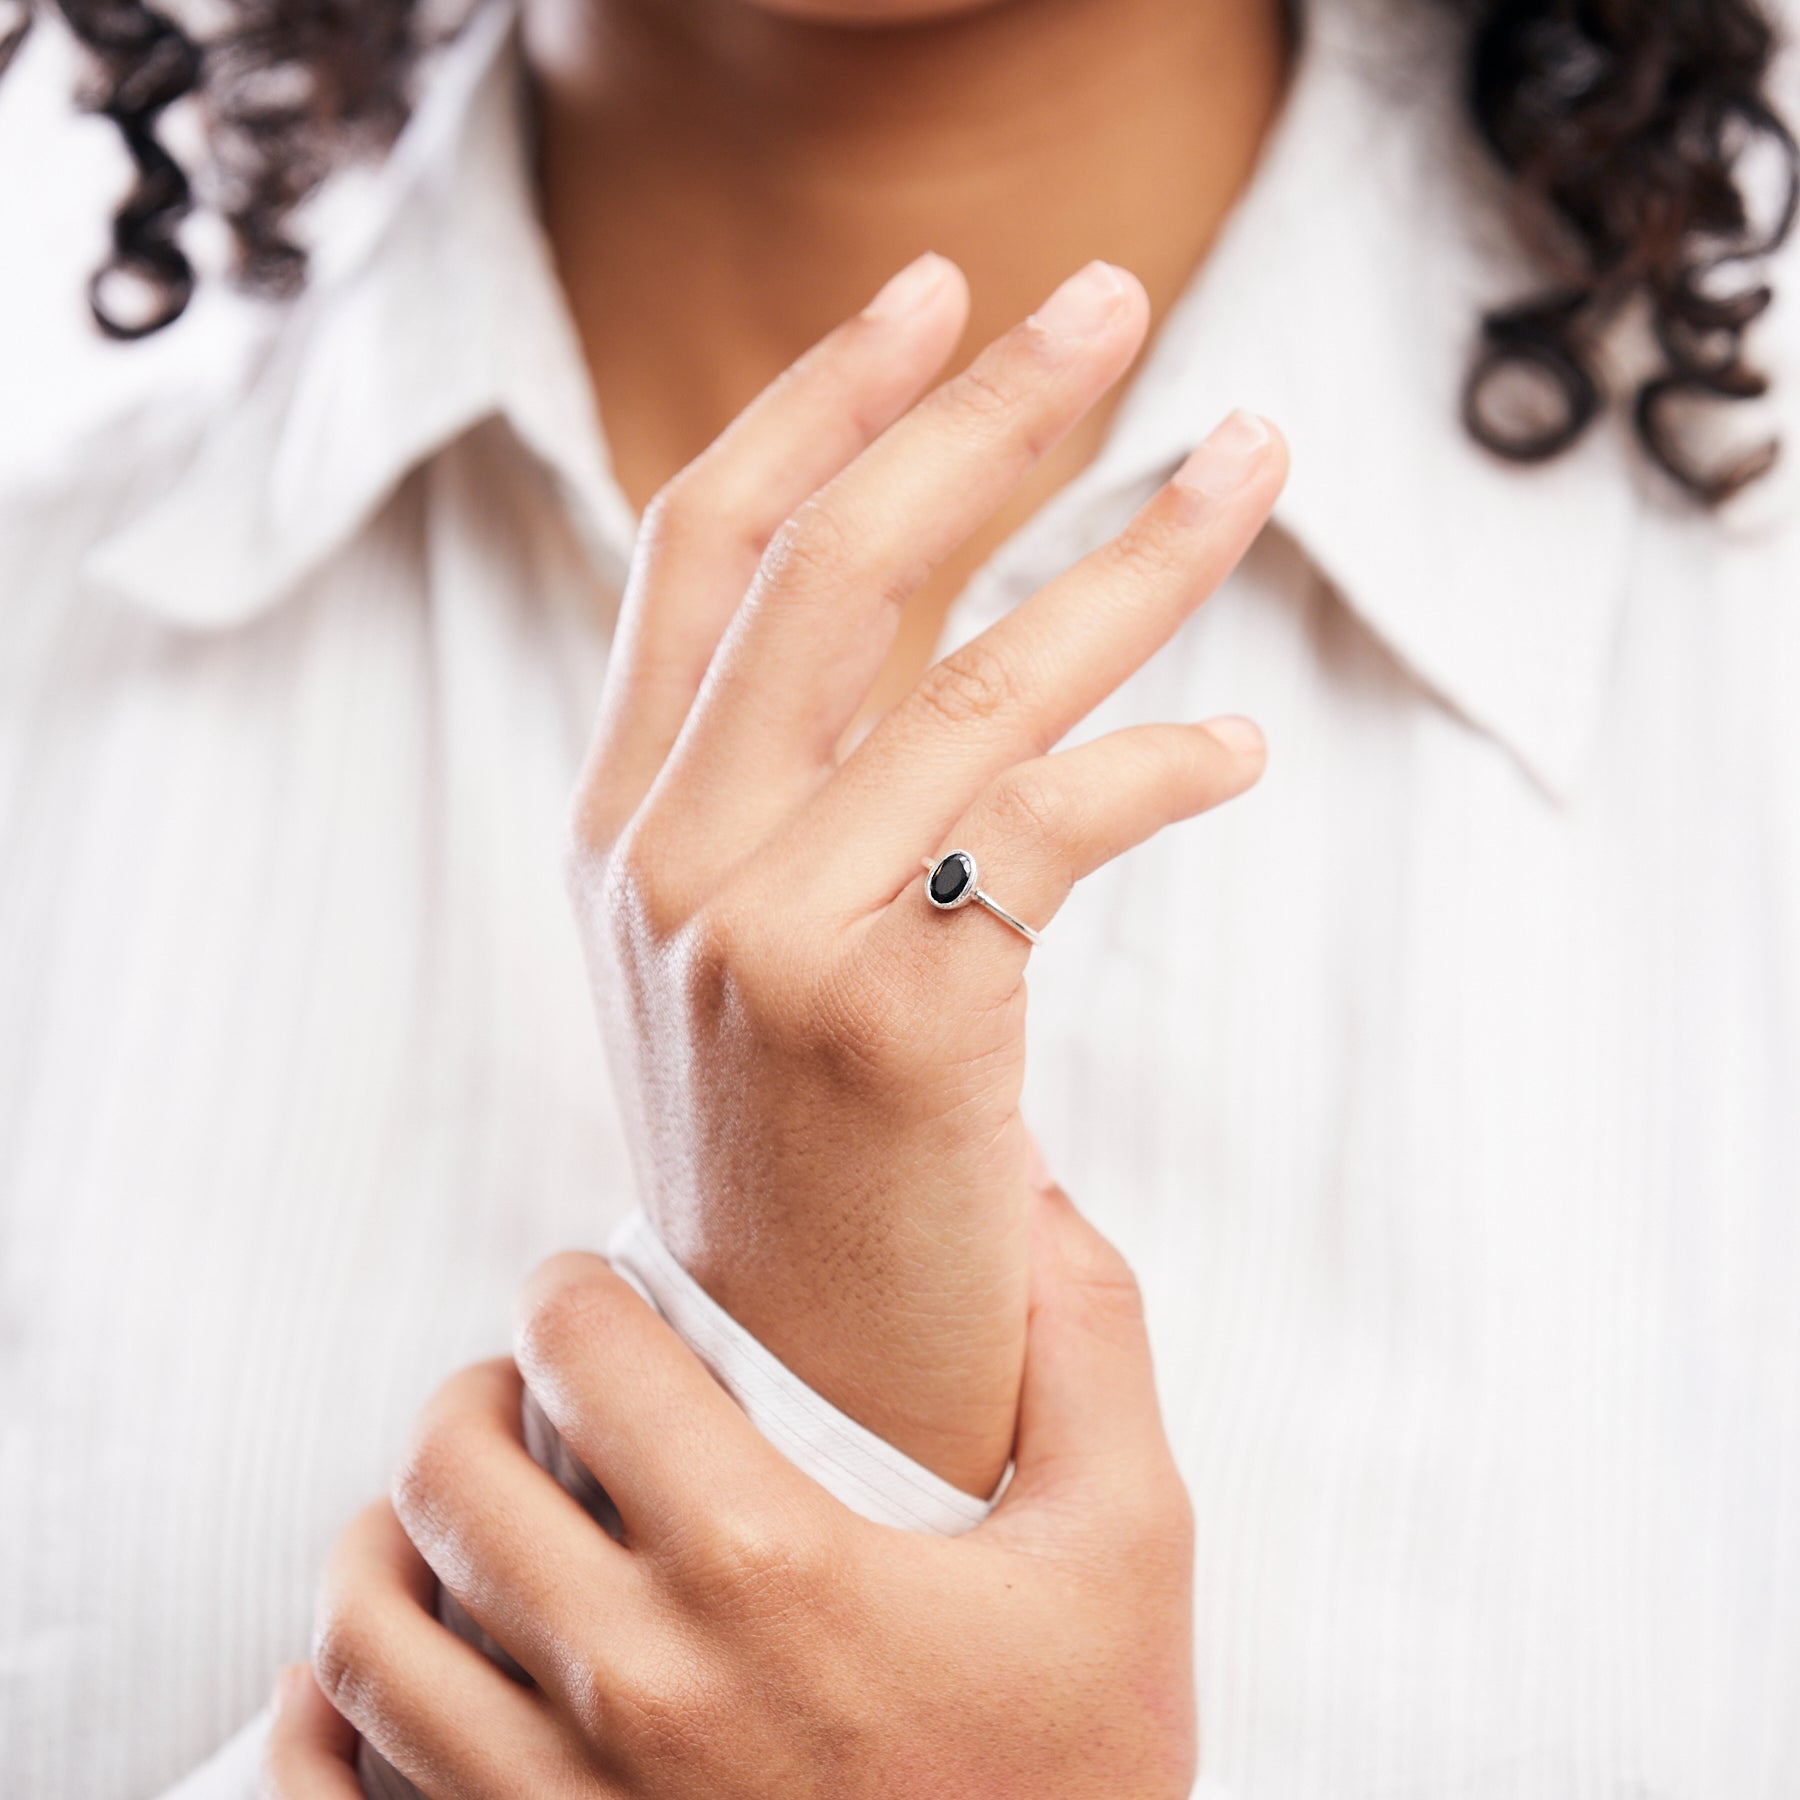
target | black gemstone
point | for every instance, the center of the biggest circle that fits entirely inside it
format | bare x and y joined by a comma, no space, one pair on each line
950,877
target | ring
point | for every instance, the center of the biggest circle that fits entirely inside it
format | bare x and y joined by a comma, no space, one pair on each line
950,883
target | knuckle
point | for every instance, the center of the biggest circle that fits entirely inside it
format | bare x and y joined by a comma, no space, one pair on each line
713,500
427,1472
995,394
987,390
593,1694
638,897
668,516
868,1021
349,1654
811,548
849,1024
662,511
748,1553
1097,1262
1107,1284
717,965
760,983
837,366
604,805
1150,550
571,1312
974,686
740,1549
1027,803
1112,1286
665,1709
435,1465
687,502
1154,1517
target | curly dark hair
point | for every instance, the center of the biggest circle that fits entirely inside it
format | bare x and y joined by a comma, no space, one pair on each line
1625,129
289,91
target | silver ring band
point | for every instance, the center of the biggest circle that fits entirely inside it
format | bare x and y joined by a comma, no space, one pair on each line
950,883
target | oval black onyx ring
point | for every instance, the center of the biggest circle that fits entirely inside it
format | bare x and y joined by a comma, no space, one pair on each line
950,883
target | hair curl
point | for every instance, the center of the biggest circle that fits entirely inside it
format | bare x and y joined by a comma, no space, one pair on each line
288,91
1623,126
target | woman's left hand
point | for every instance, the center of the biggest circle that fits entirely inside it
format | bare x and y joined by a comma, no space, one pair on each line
752,1637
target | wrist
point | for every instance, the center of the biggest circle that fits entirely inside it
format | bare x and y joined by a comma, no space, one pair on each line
916,1331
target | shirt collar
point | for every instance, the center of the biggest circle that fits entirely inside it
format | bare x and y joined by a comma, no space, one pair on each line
432,305
1340,300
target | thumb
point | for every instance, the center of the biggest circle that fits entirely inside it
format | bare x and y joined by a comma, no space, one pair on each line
1089,1421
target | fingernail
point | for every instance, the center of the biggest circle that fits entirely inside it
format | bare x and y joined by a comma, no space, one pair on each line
910,289
1037,1171
1223,463
1083,303
1242,737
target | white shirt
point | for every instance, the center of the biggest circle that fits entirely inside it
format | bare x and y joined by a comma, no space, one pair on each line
1443,1092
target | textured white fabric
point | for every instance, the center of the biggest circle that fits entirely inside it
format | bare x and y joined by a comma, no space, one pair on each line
1443,1092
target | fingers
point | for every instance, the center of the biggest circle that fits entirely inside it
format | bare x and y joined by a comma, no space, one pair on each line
311,1748
435,1707
1045,824
703,535
1090,1427
640,1409
822,612
519,1554
1018,688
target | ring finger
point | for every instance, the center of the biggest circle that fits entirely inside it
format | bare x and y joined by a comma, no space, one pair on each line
1045,824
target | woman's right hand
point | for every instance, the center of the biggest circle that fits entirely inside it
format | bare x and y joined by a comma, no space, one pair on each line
820,1073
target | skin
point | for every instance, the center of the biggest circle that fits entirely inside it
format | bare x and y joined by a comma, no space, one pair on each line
834,1152
831,1149
723,180
770,1642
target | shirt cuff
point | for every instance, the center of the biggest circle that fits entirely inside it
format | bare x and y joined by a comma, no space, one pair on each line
849,1461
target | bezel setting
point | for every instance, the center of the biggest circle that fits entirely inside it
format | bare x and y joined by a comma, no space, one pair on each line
959,861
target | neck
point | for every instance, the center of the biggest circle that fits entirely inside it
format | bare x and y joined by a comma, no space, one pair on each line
722,184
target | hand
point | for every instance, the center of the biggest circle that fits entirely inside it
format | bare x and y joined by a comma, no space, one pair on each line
752,1637
822,1075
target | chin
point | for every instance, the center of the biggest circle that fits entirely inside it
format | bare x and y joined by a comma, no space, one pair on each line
873,12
